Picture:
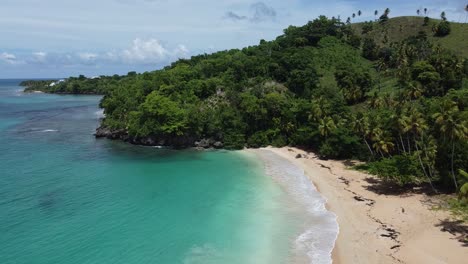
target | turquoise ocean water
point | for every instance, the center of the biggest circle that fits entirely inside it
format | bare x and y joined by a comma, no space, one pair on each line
66,197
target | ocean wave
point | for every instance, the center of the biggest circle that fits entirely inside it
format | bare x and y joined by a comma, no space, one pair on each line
318,238
19,92
100,114
36,130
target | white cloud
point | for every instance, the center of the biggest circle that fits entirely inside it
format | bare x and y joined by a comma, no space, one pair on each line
8,58
145,51
181,51
39,57
87,56
148,51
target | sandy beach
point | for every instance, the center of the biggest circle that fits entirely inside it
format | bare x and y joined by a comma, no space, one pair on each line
379,225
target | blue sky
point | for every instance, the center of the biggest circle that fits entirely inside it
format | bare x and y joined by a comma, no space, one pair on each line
60,38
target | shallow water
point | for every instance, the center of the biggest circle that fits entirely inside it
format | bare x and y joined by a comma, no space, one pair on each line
66,197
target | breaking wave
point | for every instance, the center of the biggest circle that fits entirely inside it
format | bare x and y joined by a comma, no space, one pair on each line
317,241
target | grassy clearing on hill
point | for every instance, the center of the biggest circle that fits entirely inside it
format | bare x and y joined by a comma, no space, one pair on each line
400,28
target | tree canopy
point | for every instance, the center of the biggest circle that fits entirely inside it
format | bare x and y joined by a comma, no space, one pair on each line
400,105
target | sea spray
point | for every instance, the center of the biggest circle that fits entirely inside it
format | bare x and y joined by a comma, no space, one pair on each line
321,228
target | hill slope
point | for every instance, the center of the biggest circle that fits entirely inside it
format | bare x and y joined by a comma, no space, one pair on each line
400,28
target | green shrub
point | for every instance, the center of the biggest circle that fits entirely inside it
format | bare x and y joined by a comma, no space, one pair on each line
279,141
443,29
367,27
463,192
258,139
305,136
426,21
402,169
234,140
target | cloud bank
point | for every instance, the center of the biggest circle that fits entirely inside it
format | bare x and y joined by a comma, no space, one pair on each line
141,52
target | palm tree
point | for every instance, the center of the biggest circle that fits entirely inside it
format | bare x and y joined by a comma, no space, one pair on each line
383,142
326,126
466,9
404,127
417,12
375,101
415,124
360,125
453,127
425,11
387,11
318,109
399,123
381,66
354,15
376,12
442,15
414,90
429,149
359,13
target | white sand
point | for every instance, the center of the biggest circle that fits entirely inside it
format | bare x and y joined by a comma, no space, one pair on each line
366,226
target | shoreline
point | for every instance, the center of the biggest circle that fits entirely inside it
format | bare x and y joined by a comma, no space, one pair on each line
376,226
319,228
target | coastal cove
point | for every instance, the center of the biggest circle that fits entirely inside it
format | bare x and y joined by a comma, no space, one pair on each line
234,132
68,197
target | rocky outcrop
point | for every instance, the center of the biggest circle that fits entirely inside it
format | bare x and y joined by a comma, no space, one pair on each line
169,141
104,132
208,143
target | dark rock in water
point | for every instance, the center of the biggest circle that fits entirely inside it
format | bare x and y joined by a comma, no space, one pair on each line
298,156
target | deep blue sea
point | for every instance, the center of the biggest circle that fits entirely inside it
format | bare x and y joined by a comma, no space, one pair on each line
66,197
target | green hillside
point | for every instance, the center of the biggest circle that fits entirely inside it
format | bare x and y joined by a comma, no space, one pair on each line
390,97
400,28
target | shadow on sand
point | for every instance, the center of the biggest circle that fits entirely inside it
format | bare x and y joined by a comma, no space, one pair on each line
457,228
387,188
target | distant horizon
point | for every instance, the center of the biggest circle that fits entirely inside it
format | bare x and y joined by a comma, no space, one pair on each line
119,36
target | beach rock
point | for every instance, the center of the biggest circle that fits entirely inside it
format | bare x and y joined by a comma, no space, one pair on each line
218,144
102,132
208,143
109,133
204,143
298,156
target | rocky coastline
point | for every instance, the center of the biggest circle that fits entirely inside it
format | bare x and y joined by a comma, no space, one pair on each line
179,142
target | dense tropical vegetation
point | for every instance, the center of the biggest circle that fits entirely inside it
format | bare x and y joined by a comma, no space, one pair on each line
74,85
401,105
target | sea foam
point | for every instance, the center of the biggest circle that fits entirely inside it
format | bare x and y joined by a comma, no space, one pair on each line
100,114
318,237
